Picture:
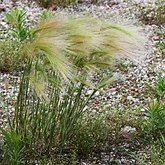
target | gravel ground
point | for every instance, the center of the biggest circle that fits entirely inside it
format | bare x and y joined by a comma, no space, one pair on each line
132,92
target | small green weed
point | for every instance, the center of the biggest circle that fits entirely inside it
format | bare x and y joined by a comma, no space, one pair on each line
156,151
161,46
46,14
158,90
13,148
156,117
17,20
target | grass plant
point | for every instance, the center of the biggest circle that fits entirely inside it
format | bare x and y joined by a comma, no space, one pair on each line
161,46
9,55
46,14
50,115
160,88
156,114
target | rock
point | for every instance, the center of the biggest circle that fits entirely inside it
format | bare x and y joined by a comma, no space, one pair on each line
130,98
2,8
128,132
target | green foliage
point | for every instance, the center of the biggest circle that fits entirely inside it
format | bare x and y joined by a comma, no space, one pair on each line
159,88
11,45
155,152
46,14
9,55
17,20
91,135
13,147
156,114
161,46
153,127
65,113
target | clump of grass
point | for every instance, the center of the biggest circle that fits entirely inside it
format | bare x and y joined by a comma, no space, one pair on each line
158,90
46,14
156,114
156,109
9,60
50,115
154,152
153,129
92,135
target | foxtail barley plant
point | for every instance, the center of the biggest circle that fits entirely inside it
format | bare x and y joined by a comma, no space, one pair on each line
57,58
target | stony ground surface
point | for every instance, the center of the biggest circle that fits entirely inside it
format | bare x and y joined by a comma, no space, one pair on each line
132,91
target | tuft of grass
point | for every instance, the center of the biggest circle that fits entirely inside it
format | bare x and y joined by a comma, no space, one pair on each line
50,115
161,46
46,14
156,114
9,60
92,135
158,90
